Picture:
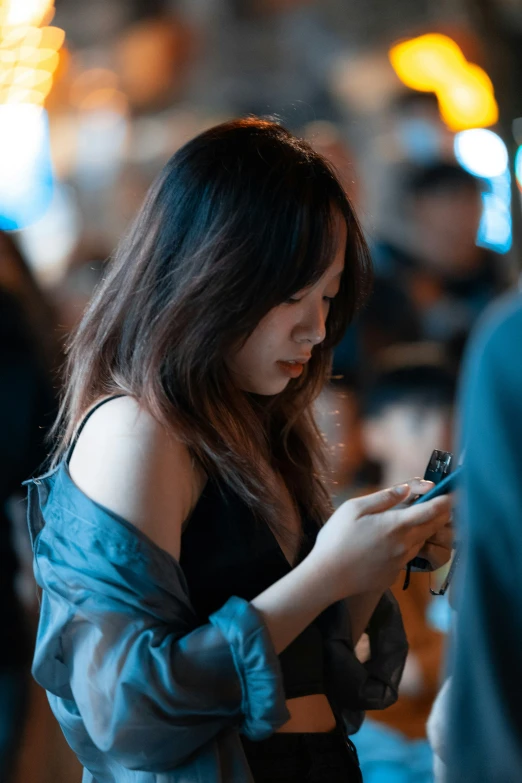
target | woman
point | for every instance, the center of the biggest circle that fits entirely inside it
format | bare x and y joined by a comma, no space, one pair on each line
198,618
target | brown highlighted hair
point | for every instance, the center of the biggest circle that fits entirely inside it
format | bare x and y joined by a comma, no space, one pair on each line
240,219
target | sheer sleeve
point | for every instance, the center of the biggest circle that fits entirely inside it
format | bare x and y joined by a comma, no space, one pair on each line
353,686
118,638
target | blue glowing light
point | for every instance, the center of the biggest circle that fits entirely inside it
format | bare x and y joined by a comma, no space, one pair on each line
484,154
481,152
495,227
26,177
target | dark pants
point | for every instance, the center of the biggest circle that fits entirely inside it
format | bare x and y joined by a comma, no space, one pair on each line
303,758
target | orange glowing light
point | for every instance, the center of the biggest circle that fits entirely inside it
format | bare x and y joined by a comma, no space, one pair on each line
435,63
426,62
29,50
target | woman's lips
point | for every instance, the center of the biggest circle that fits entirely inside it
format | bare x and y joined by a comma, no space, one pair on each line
292,369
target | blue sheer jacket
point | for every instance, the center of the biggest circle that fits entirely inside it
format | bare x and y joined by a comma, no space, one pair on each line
142,692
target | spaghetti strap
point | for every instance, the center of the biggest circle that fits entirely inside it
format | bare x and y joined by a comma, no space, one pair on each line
84,422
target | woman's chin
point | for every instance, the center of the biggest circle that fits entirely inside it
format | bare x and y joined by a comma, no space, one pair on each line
266,389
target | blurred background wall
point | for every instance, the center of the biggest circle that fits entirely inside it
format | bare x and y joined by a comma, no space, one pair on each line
133,80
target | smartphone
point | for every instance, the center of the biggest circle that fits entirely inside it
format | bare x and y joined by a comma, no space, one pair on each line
439,471
439,466
447,484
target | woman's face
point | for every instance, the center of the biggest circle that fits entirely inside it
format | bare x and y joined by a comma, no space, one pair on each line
282,342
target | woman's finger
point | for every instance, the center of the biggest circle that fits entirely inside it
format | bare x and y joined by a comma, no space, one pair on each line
436,555
443,537
424,518
419,486
432,552
392,496
380,501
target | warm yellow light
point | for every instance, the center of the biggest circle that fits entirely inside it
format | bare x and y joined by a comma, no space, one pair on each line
469,103
435,63
14,38
43,59
426,62
35,96
28,59
14,13
52,38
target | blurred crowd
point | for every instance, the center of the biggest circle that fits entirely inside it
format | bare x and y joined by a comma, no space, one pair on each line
389,404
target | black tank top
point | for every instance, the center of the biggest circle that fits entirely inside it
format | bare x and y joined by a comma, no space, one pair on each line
226,551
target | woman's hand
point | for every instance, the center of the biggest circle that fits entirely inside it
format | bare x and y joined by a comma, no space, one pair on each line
437,549
368,540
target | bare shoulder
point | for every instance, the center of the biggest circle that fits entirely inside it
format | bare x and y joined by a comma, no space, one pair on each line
126,461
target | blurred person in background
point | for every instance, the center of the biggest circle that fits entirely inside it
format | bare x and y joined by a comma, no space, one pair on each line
200,600
410,135
407,413
27,407
38,311
387,318
447,276
419,133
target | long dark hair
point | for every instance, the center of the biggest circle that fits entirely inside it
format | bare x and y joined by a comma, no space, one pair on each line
240,218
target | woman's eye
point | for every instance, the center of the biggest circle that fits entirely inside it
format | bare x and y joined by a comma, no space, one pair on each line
292,300
328,299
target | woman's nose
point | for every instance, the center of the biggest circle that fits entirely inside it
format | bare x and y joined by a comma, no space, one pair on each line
312,327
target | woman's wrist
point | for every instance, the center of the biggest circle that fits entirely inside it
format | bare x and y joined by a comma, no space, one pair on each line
320,581
329,585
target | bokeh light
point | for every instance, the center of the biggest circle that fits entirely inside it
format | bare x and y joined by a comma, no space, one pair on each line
26,181
484,154
435,63
481,152
518,167
26,12
427,63
495,231
29,57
